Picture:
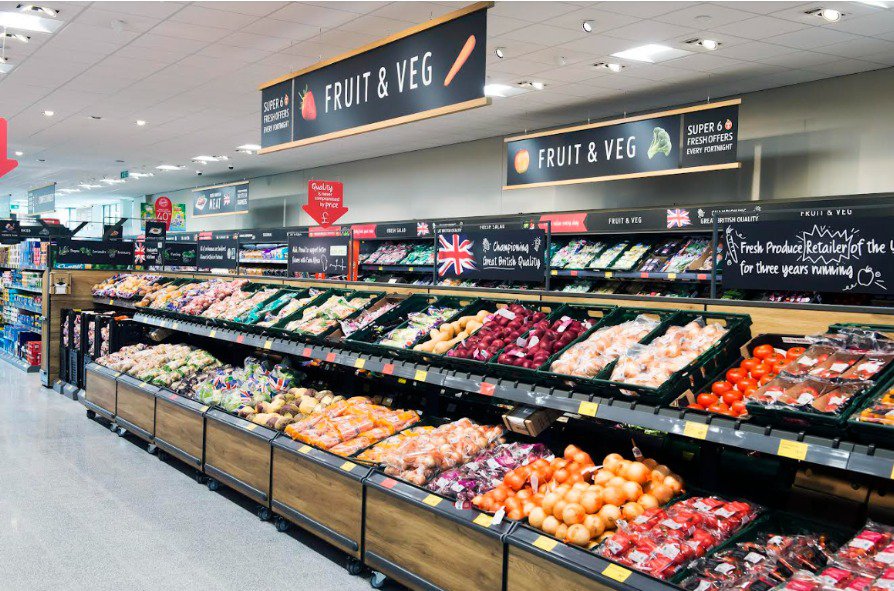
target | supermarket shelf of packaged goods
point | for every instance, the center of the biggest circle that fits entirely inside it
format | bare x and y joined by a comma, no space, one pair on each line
835,453
32,309
399,268
585,273
18,363
24,288
25,268
262,262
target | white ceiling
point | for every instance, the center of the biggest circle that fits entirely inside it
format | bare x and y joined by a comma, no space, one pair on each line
191,71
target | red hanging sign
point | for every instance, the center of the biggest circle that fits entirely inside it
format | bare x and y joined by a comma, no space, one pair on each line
164,209
6,164
325,202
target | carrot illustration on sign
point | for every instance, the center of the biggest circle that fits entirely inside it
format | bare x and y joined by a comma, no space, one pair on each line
308,105
460,59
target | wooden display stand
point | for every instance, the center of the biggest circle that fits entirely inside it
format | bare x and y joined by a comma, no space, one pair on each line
180,427
136,407
237,454
100,395
320,492
528,572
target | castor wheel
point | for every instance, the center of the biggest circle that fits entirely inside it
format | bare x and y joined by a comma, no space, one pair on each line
354,566
122,431
113,427
377,580
281,524
264,514
91,415
213,484
162,455
152,449
201,478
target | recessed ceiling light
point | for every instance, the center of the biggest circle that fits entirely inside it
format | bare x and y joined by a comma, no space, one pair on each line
587,26
169,167
49,113
651,53
89,186
113,181
28,22
500,52
828,14
248,148
140,175
18,37
19,153
536,85
140,122
613,66
709,44
42,9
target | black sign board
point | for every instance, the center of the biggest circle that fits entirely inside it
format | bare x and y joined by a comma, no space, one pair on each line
420,73
94,252
219,253
112,232
42,199
179,254
156,230
319,254
10,231
265,235
838,254
150,252
220,200
413,229
512,255
628,148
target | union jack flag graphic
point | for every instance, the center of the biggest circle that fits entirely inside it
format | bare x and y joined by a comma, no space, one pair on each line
422,228
139,253
456,254
678,218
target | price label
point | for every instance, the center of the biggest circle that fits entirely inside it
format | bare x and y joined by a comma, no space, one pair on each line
432,500
267,344
486,388
587,408
347,466
608,274
554,273
388,369
410,269
203,409
330,357
380,268
359,363
545,543
616,572
401,380
671,276
213,333
240,338
251,427
306,352
792,449
176,325
304,449
420,375
695,430
111,302
483,519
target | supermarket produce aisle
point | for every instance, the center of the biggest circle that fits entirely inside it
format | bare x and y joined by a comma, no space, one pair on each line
81,508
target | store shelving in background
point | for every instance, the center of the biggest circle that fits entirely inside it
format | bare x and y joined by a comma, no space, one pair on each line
399,252
263,252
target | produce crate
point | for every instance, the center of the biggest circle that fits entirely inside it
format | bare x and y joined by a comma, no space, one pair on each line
697,372
597,314
618,316
238,454
475,306
367,339
800,420
180,427
338,334
136,407
271,305
248,288
280,327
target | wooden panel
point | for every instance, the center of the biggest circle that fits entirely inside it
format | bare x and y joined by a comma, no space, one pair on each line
183,428
650,303
777,320
137,407
448,555
320,494
101,391
240,455
528,572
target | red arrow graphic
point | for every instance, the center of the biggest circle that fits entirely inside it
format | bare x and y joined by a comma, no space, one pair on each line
324,216
6,164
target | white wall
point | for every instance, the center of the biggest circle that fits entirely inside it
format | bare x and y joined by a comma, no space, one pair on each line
829,137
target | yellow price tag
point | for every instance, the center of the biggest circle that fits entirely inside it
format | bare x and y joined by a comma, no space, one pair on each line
484,520
792,449
213,333
432,500
410,269
401,380
609,274
348,466
251,427
616,572
420,375
359,363
671,276
304,449
588,409
203,409
380,268
545,543
695,430
553,272
267,344
111,302
176,325
892,472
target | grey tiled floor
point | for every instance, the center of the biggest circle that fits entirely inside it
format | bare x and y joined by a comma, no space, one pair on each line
81,508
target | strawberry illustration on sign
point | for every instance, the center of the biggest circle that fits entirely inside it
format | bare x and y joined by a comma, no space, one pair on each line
308,105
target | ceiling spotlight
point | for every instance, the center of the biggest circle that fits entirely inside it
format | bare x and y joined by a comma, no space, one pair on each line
248,148
536,85
41,159
587,26
140,122
614,67
96,117
828,14
49,113
113,181
3,59
500,52
169,167
42,9
19,153
89,186
709,44
18,37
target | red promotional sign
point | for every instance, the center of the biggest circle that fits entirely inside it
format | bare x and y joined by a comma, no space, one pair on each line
6,165
164,209
364,231
565,222
323,231
325,202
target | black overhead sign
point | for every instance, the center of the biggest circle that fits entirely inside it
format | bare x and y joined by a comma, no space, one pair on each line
10,231
220,200
42,199
426,71
835,254
156,230
511,255
112,232
681,140
319,254
152,253
94,252
217,253
179,254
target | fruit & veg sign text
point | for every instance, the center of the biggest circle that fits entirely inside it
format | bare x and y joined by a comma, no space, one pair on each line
426,71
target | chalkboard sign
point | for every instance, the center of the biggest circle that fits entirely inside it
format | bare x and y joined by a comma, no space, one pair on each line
319,254
179,254
10,231
853,255
94,252
511,255
217,253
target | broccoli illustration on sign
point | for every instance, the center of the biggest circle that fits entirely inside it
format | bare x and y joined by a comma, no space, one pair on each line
661,142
